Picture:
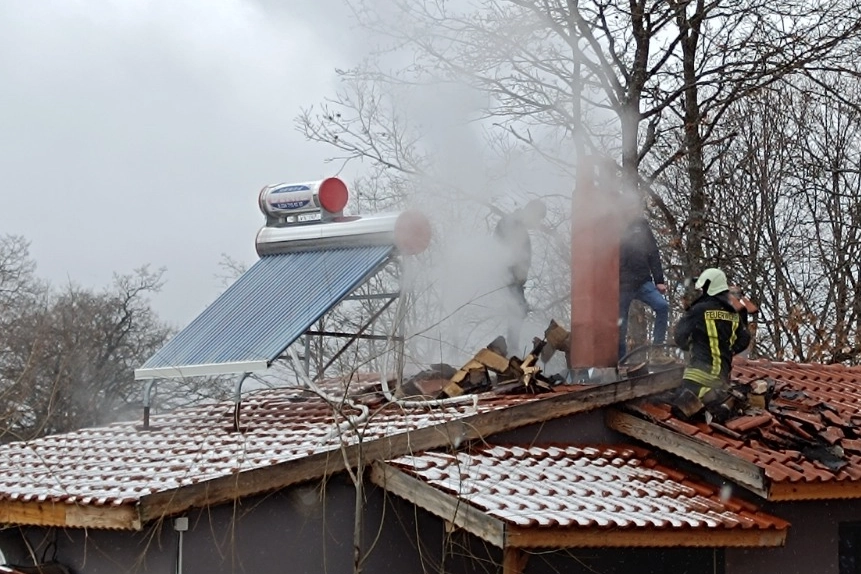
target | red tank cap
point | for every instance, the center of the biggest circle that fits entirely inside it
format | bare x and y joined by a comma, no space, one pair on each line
333,194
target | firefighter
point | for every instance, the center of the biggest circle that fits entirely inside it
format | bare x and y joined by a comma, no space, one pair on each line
513,232
713,330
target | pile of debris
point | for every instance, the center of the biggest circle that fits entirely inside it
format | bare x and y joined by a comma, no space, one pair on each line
492,369
776,416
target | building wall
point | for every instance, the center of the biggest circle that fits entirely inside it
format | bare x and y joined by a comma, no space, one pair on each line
583,428
294,530
12,547
811,545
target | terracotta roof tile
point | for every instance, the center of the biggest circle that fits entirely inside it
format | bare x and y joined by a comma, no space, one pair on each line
120,463
655,411
742,424
600,487
681,426
820,403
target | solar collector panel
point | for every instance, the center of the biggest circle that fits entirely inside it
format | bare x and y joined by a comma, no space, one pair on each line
264,311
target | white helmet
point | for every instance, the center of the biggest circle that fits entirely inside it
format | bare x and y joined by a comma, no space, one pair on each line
715,279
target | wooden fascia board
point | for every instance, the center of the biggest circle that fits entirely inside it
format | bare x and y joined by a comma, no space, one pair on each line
445,506
451,433
723,463
62,514
643,537
785,491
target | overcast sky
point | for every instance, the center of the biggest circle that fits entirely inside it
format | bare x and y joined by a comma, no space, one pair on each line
140,131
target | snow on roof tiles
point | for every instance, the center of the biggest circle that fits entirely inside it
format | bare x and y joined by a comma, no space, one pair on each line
120,463
574,486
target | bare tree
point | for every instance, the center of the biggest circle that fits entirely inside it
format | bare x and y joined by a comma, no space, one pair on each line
67,356
675,91
786,213
728,51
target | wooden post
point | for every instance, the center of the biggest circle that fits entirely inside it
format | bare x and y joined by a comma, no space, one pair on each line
514,560
596,221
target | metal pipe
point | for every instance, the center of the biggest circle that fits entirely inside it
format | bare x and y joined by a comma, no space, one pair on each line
180,524
372,296
237,400
179,554
307,352
355,336
352,335
146,401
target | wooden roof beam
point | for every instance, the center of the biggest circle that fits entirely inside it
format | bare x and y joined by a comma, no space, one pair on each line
438,503
745,473
827,490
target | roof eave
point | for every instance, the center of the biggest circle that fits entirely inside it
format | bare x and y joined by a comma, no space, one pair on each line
747,474
70,515
502,535
740,471
269,478
652,537
785,491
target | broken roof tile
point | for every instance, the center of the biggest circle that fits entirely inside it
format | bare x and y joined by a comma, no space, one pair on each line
681,426
832,435
742,424
654,411
814,406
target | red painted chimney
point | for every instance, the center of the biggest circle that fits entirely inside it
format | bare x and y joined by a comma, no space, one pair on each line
596,223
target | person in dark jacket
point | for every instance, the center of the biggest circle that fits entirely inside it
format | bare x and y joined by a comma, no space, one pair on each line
713,330
513,232
641,277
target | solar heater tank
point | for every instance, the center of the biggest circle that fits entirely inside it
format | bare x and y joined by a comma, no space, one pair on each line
283,203
409,231
285,231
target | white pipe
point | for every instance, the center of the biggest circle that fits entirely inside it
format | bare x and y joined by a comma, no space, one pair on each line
399,313
351,421
180,525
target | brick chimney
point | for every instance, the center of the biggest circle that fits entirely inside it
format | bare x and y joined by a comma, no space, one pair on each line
596,224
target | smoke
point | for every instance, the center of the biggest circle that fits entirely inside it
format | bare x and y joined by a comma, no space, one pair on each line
460,286
483,124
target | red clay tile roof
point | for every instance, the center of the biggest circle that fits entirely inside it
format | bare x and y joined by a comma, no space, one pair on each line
821,403
607,487
837,385
121,463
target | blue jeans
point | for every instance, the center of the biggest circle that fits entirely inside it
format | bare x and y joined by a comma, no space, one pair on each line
647,293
